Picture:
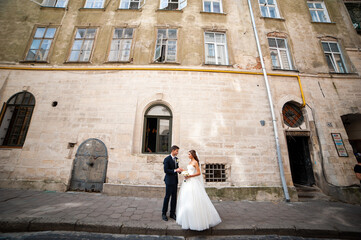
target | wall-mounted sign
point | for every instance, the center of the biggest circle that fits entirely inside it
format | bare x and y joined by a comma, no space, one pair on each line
340,147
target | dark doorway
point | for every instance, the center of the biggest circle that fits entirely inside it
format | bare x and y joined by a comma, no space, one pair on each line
300,160
90,166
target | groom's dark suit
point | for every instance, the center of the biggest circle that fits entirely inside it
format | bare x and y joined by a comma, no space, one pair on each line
171,182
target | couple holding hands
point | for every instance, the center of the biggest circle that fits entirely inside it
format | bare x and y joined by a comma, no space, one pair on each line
194,210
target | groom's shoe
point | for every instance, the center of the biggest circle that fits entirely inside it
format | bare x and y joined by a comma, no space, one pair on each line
173,216
164,217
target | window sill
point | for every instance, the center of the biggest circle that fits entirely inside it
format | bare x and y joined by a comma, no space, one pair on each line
91,9
117,62
285,70
217,65
154,153
166,10
174,63
130,9
69,62
203,12
340,74
332,23
48,7
279,19
33,62
11,147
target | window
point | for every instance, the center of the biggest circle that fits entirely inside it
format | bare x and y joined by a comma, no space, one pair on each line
121,45
54,3
16,115
318,11
280,55
214,6
83,45
166,46
334,57
269,8
131,4
94,4
216,48
173,4
354,10
292,115
157,130
215,173
40,46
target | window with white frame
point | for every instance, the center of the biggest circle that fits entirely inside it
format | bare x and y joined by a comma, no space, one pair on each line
54,3
334,57
280,55
215,48
121,45
214,6
318,11
131,4
269,8
41,43
173,4
83,45
94,4
166,46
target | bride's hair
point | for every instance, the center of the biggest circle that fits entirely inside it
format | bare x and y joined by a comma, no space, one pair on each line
194,154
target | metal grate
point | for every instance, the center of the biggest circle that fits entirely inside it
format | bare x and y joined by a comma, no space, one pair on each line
215,173
292,115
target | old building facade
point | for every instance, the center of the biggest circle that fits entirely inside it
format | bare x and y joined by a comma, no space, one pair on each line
96,91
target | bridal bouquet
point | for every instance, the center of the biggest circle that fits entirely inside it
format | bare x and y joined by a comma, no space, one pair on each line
185,174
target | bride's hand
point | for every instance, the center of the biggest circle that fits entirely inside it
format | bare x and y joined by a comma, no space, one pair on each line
186,177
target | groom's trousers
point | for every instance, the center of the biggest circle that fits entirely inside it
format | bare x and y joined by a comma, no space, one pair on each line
170,192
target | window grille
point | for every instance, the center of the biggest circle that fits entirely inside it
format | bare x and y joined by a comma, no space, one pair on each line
215,173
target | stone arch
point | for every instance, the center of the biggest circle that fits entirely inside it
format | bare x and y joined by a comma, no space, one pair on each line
141,108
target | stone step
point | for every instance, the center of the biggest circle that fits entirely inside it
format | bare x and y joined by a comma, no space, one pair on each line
308,193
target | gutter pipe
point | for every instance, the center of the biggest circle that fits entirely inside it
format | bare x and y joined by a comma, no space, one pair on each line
279,156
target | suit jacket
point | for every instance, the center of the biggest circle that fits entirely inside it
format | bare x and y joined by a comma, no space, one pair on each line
170,177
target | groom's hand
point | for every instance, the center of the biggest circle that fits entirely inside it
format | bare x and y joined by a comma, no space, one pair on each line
178,170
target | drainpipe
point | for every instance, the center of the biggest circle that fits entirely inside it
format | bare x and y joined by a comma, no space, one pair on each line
279,157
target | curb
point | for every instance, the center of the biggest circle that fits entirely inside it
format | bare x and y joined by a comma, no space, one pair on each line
32,225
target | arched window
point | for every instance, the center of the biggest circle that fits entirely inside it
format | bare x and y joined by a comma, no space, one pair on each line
15,119
157,130
292,115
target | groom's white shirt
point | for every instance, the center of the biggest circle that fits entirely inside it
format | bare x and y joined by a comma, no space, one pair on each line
173,160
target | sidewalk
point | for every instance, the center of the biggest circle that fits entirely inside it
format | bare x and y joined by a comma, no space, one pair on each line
26,210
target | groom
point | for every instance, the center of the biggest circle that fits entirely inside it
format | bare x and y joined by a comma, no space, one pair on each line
171,169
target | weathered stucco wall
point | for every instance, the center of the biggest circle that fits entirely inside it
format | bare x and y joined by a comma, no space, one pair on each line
217,114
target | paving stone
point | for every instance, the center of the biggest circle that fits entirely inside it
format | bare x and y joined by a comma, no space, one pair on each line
38,210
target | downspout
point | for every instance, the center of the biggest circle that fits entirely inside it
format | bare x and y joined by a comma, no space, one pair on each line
279,156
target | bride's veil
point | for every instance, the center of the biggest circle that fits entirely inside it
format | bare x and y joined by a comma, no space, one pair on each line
201,177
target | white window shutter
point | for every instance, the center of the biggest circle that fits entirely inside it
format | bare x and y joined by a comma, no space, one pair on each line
163,4
141,4
182,4
158,52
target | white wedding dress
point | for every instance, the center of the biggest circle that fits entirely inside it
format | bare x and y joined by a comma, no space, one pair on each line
195,210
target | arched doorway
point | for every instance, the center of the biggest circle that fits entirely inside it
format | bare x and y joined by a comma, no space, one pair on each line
298,144
90,166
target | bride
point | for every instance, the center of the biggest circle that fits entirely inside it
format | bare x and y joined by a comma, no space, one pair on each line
195,210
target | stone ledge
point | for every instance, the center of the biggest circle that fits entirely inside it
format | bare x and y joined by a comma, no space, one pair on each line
224,193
